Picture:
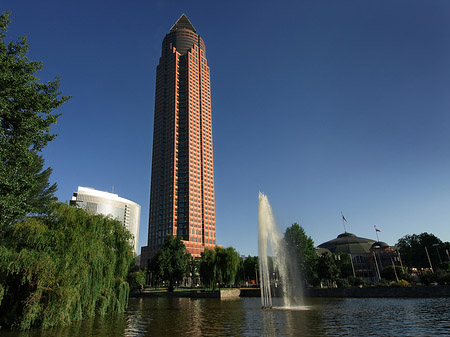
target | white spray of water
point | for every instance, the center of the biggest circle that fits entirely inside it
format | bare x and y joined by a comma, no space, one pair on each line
285,266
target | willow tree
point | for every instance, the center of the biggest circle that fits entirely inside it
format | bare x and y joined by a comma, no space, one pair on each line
63,267
219,266
208,268
26,115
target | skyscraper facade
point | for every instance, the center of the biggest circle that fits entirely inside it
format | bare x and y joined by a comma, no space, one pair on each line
182,179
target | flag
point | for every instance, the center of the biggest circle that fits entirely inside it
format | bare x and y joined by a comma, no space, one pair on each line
377,230
343,217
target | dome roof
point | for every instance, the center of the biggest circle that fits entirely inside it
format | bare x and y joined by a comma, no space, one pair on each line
348,243
380,244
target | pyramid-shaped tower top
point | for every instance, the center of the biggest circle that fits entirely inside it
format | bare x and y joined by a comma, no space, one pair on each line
183,23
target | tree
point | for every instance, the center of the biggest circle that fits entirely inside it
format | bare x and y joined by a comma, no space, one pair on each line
391,274
412,249
228,260
193,271
26,114
344,264
219,265
136,279
303,246
327,269
170,263
63,267
208,268
249,266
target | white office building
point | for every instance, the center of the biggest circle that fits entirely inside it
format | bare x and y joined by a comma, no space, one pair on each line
99,202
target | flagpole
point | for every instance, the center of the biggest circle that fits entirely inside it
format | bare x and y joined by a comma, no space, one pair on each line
376,232
343,222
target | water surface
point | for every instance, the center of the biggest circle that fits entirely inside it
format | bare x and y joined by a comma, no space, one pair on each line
164,316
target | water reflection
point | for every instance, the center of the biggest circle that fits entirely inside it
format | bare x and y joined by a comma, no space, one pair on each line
166,316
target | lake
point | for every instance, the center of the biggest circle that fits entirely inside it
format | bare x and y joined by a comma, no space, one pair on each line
168,316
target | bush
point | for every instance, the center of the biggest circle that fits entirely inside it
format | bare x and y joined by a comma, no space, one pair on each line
342,283
401,283
445,266
427,278
356,281
442,277
382,283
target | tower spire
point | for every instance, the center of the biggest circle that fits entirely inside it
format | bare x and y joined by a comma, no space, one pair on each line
183,23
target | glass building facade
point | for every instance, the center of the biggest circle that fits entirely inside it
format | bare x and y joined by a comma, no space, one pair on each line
99,202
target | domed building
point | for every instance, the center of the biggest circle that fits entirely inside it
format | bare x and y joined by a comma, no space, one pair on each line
357,248
348,243
365,254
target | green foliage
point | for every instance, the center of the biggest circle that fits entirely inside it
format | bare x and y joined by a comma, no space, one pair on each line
249,267
356,281
62,268
193,268
136,279
344,264
219,266
445,266
303,246
326,268
342,283
412,249
26,108
170,263
388,273
228,261
439,277
401,283
208,268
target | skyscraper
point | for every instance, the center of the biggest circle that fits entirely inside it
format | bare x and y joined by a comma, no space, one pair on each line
182,179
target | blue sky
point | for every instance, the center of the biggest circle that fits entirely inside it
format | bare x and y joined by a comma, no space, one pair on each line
325,106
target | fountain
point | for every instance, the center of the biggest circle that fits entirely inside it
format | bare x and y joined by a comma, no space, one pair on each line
285,270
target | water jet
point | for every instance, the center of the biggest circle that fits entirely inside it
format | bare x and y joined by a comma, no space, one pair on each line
282,275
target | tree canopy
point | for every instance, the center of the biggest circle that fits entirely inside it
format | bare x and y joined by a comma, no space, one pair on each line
303,245
63,267
26,115
326,268
412,249
219,265
171,262
249,267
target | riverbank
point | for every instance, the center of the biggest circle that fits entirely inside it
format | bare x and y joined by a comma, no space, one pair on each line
369,292
224,293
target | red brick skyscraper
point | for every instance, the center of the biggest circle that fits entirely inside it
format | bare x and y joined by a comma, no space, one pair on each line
182,180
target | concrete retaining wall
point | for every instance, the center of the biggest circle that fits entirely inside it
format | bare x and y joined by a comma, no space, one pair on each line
230,293
438,291
222,294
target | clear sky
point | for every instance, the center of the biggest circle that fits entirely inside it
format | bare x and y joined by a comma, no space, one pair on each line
325,106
